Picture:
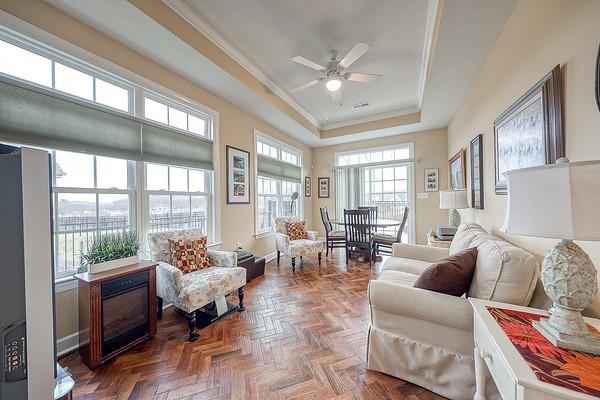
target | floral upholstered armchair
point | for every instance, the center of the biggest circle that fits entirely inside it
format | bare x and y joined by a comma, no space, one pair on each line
295,248
191,291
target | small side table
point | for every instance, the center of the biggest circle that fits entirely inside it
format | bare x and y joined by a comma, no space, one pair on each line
435,242
513,377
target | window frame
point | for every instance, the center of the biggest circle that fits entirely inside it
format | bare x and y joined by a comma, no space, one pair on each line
402,146
260,137
169,103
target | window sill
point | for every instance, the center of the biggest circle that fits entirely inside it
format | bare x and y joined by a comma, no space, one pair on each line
264,235
65,284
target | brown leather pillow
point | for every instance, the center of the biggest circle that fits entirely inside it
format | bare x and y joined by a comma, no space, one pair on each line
451,275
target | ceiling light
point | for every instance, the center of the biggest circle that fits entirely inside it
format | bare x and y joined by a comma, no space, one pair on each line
333,83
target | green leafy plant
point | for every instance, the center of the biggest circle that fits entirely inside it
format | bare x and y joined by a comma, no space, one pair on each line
112,246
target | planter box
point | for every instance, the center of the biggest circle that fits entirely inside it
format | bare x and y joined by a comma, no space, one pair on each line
105,266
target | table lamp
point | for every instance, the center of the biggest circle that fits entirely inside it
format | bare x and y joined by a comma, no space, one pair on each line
451,200
560,201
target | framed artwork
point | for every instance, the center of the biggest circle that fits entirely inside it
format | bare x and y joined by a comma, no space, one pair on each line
457,171
238,176
323,187
598,78
529,133
432,176
477,172
307,186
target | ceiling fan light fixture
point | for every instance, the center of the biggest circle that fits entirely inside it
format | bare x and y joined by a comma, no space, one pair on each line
334,83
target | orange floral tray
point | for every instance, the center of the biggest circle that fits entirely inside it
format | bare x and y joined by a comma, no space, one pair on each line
570,369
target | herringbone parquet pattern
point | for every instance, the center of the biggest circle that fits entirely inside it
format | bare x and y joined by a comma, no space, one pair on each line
303,336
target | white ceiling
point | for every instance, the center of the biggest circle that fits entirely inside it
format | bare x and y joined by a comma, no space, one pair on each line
269,33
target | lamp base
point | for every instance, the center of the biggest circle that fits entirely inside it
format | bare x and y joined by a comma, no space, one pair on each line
454,218
586,344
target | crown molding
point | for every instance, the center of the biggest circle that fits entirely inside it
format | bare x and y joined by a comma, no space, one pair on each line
200,24
372,118
432,28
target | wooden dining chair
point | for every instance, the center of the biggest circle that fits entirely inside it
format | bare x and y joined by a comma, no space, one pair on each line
382,243
373,212
333,239
358,233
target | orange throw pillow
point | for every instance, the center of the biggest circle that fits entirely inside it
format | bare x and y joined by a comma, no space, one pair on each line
296,230
189,255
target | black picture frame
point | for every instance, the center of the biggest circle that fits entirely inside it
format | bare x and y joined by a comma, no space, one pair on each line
598,78
232,194
476,161
548,92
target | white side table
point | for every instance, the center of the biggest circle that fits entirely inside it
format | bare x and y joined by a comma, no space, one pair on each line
512,375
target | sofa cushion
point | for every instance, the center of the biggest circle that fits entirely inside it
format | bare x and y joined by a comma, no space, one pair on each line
203,286
464,236
296,230
451,275
398,277
503,272
408,265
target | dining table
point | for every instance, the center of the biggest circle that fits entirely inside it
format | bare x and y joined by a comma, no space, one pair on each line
379,223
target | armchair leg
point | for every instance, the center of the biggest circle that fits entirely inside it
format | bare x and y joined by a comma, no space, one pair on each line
191,319
278,256
241,298
159,307
293,264
319,257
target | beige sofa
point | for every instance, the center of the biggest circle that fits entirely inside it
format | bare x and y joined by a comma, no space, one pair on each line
426,337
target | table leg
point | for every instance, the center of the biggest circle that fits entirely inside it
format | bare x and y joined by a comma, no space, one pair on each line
479,375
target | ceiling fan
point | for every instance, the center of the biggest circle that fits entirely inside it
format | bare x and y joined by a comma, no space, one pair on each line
333,73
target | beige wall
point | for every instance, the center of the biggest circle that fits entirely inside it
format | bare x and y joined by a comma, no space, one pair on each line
538,35
236,128
431,151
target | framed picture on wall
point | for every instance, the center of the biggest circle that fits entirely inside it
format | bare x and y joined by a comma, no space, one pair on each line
323,187
456,168
307,186
598,79
238,176
432,178
477,172
529,133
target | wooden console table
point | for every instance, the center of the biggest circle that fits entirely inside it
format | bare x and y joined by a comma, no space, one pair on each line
117,310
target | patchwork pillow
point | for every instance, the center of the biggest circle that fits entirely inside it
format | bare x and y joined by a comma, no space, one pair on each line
296,230
189,255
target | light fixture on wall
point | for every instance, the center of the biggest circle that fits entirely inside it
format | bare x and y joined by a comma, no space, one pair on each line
333,83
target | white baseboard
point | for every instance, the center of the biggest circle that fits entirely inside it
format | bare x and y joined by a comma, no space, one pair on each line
270,256
67,344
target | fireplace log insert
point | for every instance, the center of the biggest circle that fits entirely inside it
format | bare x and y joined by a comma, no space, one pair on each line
117,310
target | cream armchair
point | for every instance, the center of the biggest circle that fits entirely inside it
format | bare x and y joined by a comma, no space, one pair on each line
296,248
194,290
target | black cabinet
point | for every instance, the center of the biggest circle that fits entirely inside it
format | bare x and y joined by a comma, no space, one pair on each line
254,267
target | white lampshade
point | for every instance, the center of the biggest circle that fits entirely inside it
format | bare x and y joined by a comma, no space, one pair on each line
560,201
453,199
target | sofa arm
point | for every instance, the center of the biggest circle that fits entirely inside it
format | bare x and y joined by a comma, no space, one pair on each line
312,235
169,281
419,252
421,304
218,258
282,242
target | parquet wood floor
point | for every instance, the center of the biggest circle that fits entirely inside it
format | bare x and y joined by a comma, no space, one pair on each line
303,336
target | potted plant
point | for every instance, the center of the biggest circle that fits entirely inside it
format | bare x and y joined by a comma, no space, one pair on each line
113,250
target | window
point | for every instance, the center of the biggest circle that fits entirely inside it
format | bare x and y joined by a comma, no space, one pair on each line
21,63
172,115
92,196
274,194
377,177
274,199
178,198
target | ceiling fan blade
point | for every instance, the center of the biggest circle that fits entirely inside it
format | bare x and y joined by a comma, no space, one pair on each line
306,85
336,97
357,51
361,77
307,63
